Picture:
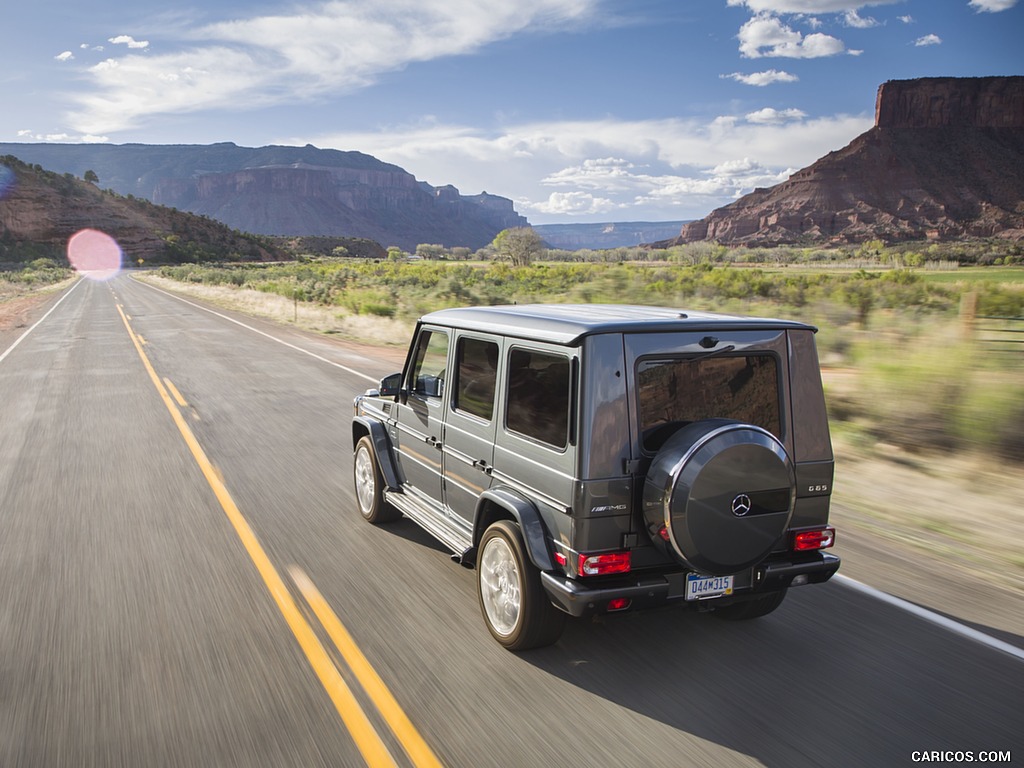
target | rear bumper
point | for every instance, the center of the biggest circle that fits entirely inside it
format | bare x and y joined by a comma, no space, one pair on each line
577,598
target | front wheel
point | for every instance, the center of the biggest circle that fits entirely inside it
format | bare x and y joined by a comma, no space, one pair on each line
369,485
516,609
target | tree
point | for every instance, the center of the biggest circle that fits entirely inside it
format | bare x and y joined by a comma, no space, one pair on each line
430,251
520,245
91,177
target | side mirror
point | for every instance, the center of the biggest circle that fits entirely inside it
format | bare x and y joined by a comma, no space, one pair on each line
390,385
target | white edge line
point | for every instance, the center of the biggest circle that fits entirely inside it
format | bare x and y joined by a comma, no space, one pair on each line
261,333
935,618
39,321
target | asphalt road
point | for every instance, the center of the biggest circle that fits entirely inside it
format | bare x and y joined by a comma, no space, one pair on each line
184,581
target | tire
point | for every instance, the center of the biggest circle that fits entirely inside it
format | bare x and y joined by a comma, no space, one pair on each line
718,496
515,607
754,608
369,485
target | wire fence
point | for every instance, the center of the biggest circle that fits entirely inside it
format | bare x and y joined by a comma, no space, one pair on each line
1001,335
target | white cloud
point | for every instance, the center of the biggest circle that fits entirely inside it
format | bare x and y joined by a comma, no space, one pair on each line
562,204
326,48
908,19
812,6
991,6
853,19
676,168
45,137
763,78
65,56
128,40
928,40
770,116
766,35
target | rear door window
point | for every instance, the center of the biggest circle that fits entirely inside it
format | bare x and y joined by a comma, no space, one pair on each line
539,396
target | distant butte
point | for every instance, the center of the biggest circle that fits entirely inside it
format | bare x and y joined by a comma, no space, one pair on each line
944,161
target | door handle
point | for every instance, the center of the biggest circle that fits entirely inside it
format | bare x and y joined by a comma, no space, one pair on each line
434,442
482,465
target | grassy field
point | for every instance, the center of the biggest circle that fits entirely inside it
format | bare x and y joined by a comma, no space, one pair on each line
973,275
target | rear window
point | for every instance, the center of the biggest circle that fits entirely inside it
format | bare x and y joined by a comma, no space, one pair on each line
675,392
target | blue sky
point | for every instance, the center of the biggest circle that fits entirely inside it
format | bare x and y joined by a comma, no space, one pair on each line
578,110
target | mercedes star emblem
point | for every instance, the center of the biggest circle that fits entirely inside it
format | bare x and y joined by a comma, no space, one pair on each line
741,505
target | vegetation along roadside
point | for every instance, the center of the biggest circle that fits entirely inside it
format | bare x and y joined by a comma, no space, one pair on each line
919,396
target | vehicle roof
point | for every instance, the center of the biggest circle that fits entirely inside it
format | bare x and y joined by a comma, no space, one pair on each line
567,323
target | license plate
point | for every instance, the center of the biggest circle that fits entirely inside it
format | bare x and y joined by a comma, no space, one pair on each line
703,587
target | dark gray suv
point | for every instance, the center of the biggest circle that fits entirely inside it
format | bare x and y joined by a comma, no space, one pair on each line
599,458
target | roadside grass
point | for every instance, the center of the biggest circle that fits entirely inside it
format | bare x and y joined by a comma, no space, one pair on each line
928,428
32,277
331,320
923,381
960,509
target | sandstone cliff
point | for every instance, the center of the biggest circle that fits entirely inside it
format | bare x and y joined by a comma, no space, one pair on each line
290,191
944,161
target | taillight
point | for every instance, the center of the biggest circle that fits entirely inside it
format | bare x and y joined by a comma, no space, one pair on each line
818,538
604,564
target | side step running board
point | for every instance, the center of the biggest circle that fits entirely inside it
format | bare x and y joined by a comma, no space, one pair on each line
454,536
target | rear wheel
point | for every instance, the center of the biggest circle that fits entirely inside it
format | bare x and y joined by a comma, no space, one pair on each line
369,485
759,606
515,607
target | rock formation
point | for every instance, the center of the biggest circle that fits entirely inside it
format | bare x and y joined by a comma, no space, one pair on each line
944,161
40,211
287,190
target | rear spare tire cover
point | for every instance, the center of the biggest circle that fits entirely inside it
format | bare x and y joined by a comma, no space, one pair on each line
719,495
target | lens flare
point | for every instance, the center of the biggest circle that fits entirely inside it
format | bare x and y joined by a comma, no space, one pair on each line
94,254
6,181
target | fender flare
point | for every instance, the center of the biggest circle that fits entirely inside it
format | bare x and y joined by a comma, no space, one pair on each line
535,535
381,445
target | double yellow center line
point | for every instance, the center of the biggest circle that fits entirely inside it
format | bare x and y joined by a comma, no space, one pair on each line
367,739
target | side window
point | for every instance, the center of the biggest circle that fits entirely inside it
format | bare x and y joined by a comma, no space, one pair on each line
476,362
538,396
428,371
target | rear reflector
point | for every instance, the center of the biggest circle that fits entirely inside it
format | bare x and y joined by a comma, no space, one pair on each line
618,604
604,564
809,541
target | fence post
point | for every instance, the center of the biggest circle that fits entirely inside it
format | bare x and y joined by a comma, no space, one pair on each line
968,313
